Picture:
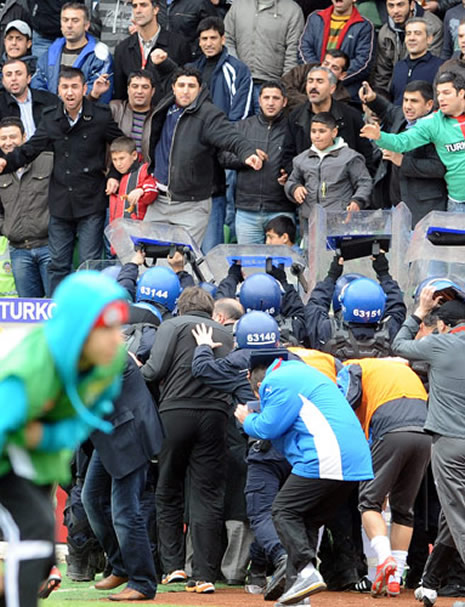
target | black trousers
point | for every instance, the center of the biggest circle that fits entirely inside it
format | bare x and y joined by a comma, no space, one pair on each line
300,508
28,524
196,443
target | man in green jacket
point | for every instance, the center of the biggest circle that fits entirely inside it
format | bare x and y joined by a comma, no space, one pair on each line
444,128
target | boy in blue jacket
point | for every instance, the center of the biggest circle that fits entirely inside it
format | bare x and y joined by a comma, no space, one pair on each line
308,419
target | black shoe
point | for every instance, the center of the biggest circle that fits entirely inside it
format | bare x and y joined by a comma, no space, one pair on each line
81,560
363,586
453,590
276,585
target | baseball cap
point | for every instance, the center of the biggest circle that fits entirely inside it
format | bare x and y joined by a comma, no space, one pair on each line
451,312
21,26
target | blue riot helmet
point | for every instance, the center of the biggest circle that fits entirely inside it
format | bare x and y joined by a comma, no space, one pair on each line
145,305
444,287
340,284
261,292
112,271
256,330
362,301
159,285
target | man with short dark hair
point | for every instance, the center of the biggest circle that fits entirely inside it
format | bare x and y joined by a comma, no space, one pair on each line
417,177
134,114
194,417
439,128
420,64
320,88
230,84
228,79
152,48
24,213
391,46
19,100
260,195
341,26
77,131
76,49
185,129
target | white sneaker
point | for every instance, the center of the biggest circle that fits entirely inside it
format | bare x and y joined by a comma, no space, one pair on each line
427,595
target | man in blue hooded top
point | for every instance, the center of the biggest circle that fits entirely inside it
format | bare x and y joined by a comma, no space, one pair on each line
308,419
56,384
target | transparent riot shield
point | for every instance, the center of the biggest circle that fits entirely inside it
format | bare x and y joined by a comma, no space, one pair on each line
158,241
437,248
256,258
357,236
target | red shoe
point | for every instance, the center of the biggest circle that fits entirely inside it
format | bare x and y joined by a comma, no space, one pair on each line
393,588
50,584
383,573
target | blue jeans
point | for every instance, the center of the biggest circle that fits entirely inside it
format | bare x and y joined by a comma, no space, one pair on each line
113,507
62,235
30,269
40,45
265,478
215,229
250,225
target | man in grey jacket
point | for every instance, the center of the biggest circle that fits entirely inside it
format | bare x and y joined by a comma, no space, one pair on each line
444,353
264,34
24,213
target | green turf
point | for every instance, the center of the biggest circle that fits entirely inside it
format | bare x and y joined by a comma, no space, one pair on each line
83,594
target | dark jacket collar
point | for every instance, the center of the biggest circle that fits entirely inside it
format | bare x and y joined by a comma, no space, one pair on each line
87,110
276,120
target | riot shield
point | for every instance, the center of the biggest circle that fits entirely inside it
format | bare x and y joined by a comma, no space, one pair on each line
158,241
257,258
357,236
437,248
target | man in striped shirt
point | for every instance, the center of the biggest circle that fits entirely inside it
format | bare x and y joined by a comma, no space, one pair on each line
134,115
340,26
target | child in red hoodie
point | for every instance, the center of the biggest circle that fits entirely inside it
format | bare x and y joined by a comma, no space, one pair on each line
137,189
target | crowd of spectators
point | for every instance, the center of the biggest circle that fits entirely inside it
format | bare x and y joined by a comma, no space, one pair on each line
223,136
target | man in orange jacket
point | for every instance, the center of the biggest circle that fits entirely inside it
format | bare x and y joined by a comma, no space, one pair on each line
390,402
